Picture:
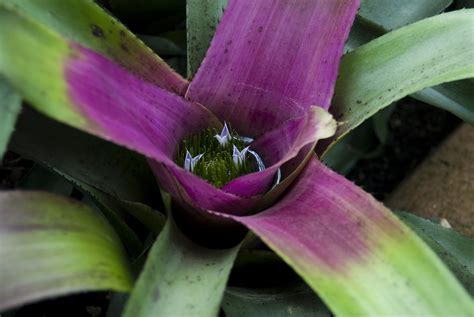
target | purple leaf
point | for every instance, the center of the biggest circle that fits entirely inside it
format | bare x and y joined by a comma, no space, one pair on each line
270,60
129,111
353,252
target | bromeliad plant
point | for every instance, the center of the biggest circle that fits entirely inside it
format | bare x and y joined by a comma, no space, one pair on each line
233,148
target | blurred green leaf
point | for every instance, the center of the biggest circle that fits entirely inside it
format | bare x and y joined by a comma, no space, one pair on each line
364,142
115,210
423,54
10,107
377,17
108,167
116,218
40,178
392,15
202,17
153,220
180,278
344,155
263,285
454,249
363,31
380,123
298,301
87,23
456,97
164,46
51,246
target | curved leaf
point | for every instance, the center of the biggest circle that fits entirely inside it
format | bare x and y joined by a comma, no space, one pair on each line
85,22
261,70
261,284
10,106
358,257
180,278
51,246
285,302
391,14
453,248
88,91
202,17
423,54
377,17
456,97
106,166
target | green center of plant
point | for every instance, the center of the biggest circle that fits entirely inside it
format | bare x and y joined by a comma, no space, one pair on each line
218,157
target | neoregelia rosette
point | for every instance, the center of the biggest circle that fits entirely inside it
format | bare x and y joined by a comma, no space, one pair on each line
270,73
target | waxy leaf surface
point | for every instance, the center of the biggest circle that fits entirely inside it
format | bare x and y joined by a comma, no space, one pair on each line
202,18
395,14
180,278
51,246
453,248
358,257
456,97
90,92
423,54
10,106
86,23
274,302
282,58
109,168
378,17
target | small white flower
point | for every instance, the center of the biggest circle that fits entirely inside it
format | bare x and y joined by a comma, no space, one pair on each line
239,156
245,139
190,161
259,161
225,135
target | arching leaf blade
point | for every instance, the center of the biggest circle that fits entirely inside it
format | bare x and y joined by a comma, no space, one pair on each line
180,278
87,23
52,246
421,55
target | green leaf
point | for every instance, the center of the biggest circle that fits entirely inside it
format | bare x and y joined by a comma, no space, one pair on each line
423,54
10,106
453,248
163,46
363,31
358,257
202,17
180,278
344,155
391,14
275,302
108,167
380,124
40,178
51,246
150,218
115,210
456,97
377,17
263,285
86,23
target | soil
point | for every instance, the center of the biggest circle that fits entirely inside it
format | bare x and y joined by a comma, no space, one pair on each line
442,186
415,130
